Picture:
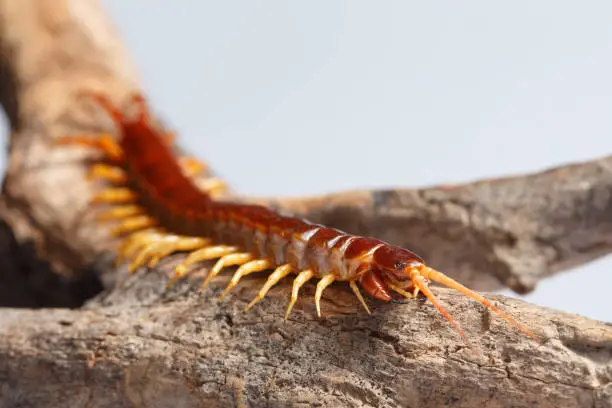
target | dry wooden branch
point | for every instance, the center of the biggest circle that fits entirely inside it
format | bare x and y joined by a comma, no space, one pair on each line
139,345
509,232
146,347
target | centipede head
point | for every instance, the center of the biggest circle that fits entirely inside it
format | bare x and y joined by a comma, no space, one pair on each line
393,262
402,271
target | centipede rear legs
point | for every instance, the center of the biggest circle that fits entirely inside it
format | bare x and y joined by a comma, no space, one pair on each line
124,208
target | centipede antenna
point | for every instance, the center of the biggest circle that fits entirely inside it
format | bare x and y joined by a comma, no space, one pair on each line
419,281
441,278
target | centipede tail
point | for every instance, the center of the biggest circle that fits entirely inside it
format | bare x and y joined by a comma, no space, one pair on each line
158,209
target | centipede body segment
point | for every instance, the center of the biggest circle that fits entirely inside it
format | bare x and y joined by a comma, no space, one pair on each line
159,210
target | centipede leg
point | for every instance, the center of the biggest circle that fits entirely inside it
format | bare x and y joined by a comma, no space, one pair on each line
132,224
278,274
401,291
298,282
355,288
257,265
200,255
145,251
191,166
132,244
109,173
184,244
225,261
323,283
169,138
164,246
119,195
104,143
212,186
124,211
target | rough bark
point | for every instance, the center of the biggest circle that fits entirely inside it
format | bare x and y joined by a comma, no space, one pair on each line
146,347
136,344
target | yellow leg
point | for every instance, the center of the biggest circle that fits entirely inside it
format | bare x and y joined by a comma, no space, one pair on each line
109,173
181,244
353,285
200,255
278,274
402,291
257,265
227,260
298,282
124,211
146,251
169,138
323,283
191,166
213,186
110,147
104,143
164,246
134,243
118,195
136,223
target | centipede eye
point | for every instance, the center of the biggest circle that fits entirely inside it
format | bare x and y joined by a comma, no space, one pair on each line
396,261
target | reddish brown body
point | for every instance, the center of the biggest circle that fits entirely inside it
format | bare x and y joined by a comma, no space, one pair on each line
174,199
167,201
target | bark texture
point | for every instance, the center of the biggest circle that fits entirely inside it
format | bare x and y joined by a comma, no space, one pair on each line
146,347
137,344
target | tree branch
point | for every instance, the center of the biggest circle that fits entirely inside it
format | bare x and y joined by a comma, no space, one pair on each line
507,232
144,346
47,57
137,344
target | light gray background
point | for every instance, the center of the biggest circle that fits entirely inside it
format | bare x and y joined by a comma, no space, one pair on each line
294,98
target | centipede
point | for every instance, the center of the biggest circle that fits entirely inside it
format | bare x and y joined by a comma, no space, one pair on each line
159,208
